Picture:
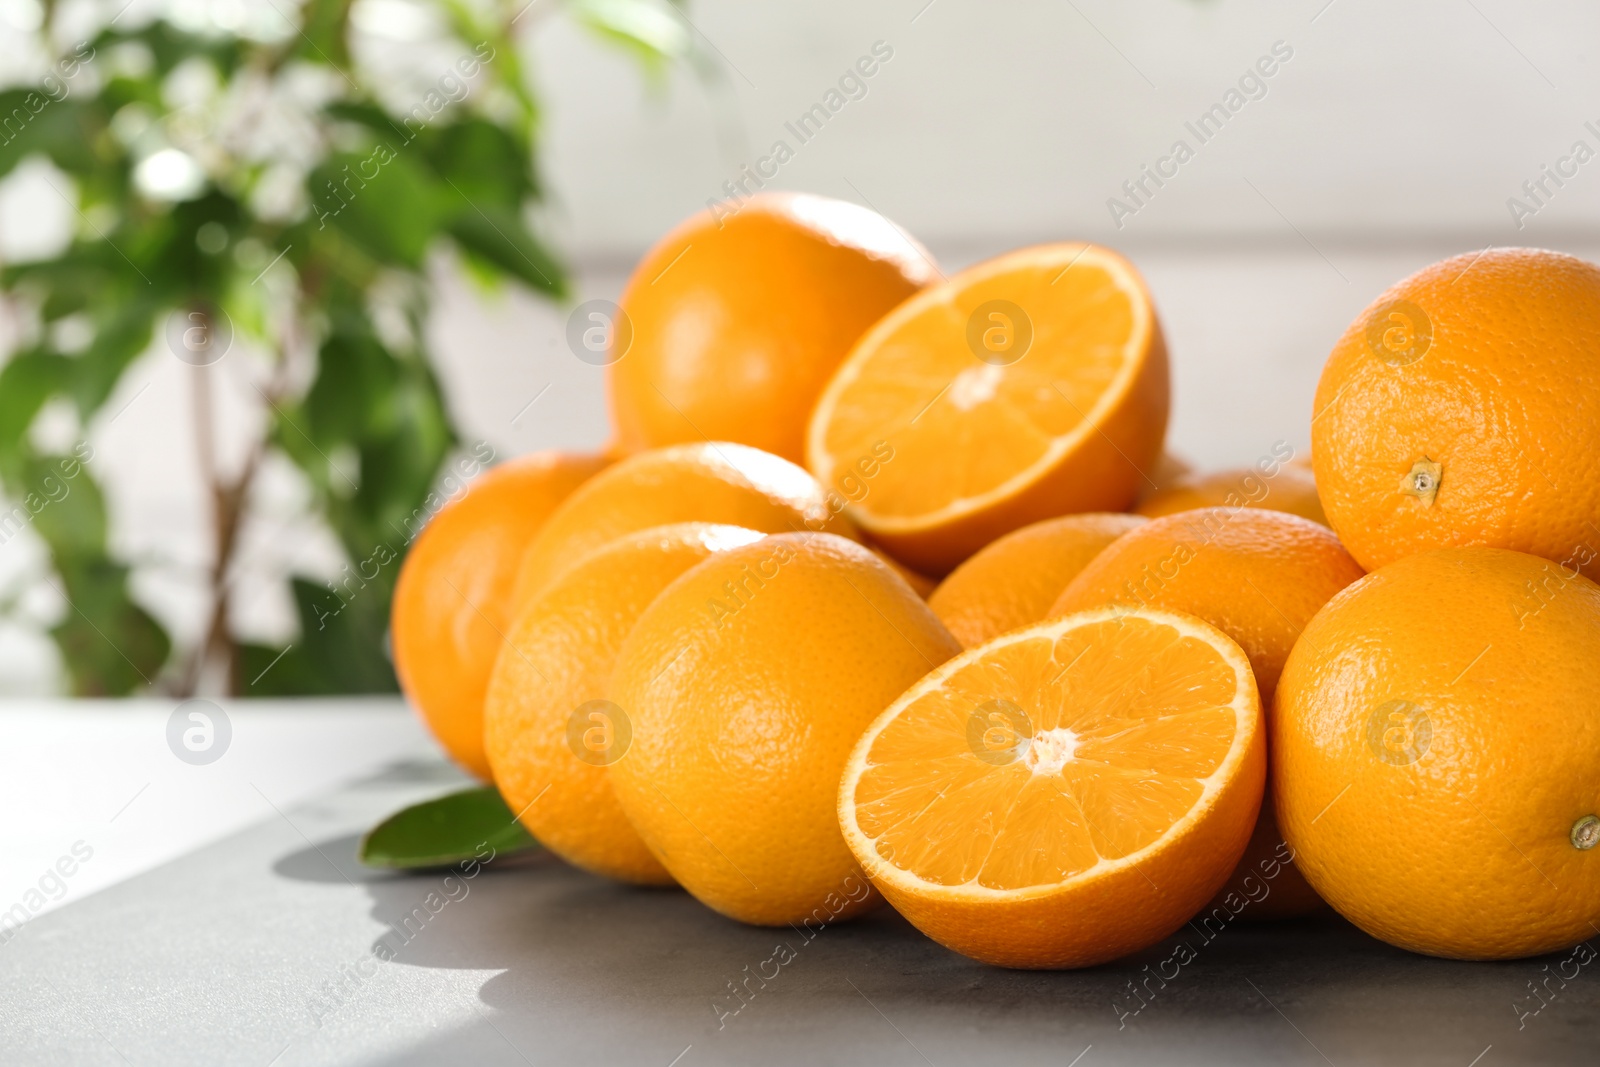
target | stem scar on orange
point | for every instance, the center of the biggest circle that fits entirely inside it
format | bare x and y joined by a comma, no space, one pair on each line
1462,408
1436,758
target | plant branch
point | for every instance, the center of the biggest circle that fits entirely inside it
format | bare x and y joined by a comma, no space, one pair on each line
228,499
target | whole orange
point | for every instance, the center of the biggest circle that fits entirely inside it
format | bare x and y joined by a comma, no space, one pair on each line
713,481
920,583
452,599
738,318
550,726
1463,408
1275,485
1013,581
1168,468
747,682
1258,576
1437,754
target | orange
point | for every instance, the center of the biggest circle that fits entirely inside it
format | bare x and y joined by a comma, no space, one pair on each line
1274,486
1013,581
1067,793
1168,469
1462,408
1265,886
740,314
1437,759
1025,387
715,481
1258,576
452,599
747,682
550,727
920,583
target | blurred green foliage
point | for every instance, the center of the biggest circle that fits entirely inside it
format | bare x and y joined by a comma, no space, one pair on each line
265,180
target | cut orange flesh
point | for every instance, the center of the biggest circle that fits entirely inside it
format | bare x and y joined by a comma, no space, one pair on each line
1028,386
1065,794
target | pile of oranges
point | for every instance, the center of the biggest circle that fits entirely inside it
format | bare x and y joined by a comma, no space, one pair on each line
886,590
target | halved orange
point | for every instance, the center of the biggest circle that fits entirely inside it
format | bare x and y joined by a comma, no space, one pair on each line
1025,387
1065,794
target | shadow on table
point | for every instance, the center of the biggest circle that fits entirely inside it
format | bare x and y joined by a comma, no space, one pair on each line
594,971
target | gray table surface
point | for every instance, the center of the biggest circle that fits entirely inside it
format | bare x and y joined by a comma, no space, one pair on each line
265,947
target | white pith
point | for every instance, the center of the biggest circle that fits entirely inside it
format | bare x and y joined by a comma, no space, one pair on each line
1050,750
975,385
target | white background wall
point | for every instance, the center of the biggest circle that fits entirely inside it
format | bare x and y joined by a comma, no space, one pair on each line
1392,137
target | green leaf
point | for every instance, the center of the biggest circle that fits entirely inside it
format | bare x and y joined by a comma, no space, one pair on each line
484,163
340,648
356,377
170,46
464,171
72,514
323,32
381,199
650,29
26,382
390,409
110,645
122,332
455,828
34,120
498,236
398,469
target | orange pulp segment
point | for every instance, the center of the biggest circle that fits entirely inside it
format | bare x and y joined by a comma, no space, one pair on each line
987,388
1108,761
